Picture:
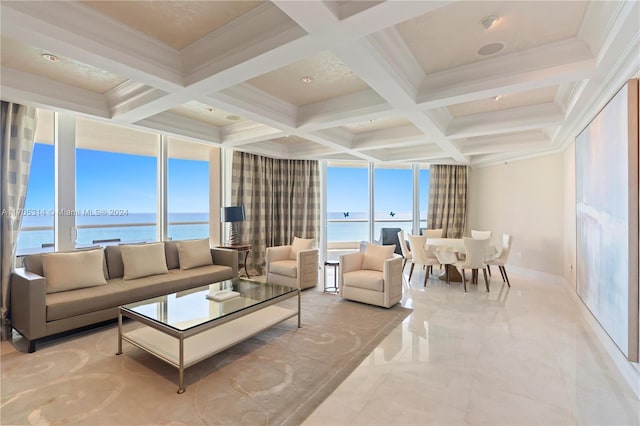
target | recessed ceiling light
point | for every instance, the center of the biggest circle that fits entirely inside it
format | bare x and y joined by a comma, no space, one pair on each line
488,21
210,109
50,57
490,49
497,98
306,79
233,117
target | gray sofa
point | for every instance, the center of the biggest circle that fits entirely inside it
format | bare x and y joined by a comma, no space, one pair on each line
36,314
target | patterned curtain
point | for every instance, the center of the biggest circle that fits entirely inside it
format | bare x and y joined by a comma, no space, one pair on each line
281,200
448,199
16,143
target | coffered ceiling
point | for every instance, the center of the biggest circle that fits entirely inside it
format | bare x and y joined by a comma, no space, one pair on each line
419,81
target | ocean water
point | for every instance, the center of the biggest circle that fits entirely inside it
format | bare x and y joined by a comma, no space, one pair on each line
145,231
354,226
340,228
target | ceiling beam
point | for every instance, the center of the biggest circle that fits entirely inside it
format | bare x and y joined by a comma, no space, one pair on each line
18,86
506,121
549,65
74,30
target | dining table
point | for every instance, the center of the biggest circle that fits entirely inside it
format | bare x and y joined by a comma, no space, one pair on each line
455,245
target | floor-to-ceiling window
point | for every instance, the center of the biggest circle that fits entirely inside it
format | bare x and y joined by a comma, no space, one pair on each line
393,197
347,203
398,194
37,227
187,190
116,183
423,190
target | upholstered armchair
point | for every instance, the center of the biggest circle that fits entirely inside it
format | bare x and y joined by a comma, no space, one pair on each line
294,265
389,236
373,276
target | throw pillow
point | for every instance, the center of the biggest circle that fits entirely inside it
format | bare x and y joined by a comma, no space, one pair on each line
194,253
299,244
143,260
73,270
375,255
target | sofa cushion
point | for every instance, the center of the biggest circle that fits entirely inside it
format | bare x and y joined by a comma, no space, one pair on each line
194,253
299,244
288,268
114,261
33,262
73,270
113,256
120,292
171,252
364,278
375,255
143,260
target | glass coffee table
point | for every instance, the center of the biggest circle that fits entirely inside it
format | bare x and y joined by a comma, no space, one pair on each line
186,327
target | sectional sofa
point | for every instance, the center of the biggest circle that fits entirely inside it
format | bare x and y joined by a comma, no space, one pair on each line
58,292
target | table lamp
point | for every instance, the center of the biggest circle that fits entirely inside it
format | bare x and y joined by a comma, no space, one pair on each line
233,215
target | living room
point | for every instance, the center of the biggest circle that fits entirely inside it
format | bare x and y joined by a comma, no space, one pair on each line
366,87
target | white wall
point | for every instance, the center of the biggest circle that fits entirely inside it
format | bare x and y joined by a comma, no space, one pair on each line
525,199
569,271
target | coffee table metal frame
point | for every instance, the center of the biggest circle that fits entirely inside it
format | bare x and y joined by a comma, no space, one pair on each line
182,335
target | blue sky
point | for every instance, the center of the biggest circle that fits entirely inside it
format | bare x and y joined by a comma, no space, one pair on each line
106,180
347,189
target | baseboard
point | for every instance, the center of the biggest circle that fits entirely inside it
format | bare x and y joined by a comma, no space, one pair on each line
535,275
629,370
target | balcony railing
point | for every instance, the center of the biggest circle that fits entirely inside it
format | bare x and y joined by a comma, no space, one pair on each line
33,237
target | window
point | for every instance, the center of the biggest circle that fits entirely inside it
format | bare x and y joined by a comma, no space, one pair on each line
424,196
116,183
347,203
393,198
37,227
187,190
396,202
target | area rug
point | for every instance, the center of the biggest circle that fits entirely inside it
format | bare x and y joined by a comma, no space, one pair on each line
275,378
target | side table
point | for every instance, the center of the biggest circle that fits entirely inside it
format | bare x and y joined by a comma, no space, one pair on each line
240,248
335,264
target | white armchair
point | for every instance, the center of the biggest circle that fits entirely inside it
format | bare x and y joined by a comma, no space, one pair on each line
373,276
294,265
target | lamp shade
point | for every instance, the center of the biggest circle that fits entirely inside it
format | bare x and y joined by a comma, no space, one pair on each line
232,214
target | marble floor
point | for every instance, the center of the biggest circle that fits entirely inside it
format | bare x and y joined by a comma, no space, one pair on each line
514,356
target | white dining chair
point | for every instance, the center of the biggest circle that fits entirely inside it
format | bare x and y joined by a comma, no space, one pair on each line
406,253
433,233
481,235
448,257
421,255
474,259
501,259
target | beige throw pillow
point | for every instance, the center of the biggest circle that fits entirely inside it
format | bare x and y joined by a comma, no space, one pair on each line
143,260
194,253
299,244
73,270
375,255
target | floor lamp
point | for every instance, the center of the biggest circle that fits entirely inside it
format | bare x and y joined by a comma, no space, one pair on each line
233,215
